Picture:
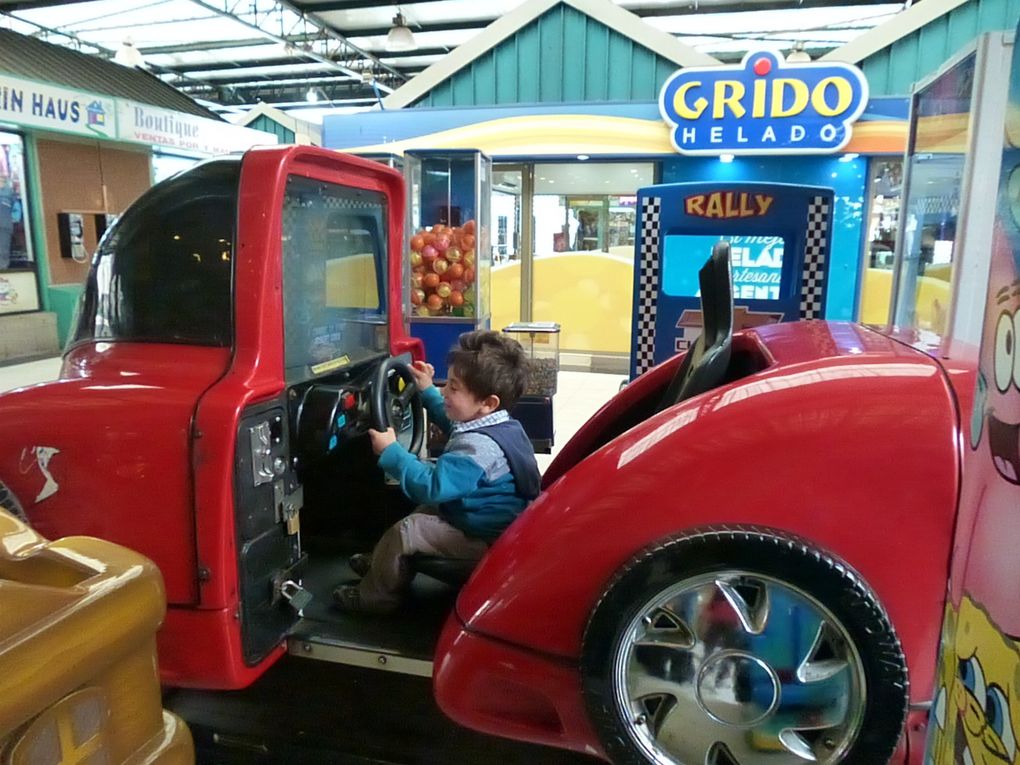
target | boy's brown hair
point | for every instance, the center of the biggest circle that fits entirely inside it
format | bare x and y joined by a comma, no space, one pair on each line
490,363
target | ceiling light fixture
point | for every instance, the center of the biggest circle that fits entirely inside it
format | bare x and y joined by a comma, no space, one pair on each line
311,96
128,55
400,37
726,157
798,55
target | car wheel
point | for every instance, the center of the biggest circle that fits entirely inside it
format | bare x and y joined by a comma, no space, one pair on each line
739,645
10,503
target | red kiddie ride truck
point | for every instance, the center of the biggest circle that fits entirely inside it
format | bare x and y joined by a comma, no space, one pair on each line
736,560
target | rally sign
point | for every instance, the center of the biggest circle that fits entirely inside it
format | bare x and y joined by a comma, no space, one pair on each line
763,106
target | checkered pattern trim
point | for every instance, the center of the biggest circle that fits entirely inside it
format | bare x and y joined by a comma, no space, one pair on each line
812,290
648,284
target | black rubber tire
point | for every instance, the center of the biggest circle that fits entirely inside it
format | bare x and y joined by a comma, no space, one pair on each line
765,551
10,503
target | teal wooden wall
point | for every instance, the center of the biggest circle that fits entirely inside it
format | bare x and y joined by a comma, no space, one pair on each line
267,125
893,70
562,56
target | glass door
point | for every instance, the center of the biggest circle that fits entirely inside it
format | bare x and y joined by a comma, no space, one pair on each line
584,218
511,268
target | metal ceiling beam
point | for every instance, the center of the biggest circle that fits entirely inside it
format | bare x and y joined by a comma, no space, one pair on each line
101,50
305,50
354,5
335,35
222,66
28,5
156,50
437,27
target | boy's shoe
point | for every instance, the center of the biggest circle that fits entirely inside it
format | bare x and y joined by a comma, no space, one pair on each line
360,563
347,597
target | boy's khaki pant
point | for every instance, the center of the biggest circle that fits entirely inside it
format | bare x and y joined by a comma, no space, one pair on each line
386,581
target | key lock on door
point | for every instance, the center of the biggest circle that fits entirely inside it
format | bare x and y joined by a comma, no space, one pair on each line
270,466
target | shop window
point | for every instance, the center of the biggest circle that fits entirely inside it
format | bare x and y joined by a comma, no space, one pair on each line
15,244
883,223
18,289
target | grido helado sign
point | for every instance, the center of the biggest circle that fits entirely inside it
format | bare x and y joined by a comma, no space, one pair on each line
764,105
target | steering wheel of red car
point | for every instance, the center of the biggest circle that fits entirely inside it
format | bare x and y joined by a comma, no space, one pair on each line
391,405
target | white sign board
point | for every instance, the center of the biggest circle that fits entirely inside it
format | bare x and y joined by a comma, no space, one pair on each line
18,292
142,123
52,108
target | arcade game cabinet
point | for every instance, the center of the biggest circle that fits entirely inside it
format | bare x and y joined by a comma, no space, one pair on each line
779,238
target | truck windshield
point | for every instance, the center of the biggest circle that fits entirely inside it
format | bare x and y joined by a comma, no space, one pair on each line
334,276
163,271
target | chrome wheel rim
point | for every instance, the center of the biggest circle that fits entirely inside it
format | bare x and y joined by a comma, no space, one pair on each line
734,668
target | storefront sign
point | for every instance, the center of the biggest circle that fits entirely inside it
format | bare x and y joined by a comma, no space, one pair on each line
33,104
763,106
728,204
18,292
142,123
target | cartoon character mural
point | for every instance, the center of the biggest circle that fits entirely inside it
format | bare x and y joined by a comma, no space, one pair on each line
976,716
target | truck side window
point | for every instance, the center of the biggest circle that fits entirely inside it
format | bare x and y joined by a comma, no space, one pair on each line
163,271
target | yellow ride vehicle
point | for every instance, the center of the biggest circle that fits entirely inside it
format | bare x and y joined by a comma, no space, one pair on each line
78,677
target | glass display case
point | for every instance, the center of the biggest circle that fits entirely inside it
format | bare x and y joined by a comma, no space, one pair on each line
449,257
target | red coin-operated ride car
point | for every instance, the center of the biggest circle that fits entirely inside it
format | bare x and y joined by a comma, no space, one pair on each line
740,558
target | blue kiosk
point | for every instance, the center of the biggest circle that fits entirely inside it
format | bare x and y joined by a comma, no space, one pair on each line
779,237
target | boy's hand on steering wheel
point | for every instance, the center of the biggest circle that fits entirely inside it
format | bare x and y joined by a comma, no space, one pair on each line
423,372
381,439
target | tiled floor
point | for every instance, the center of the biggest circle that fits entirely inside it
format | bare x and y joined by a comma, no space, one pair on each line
578,395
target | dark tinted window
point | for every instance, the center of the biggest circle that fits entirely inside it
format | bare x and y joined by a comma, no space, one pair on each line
163,271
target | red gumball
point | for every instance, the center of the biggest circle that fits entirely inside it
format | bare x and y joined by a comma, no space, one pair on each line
456,298
467,241
430,281
429,253
455,271
458,284
434,302
417,242
469,227
469,275
442,243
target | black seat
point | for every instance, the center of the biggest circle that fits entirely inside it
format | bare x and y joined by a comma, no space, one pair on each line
451,571
707,361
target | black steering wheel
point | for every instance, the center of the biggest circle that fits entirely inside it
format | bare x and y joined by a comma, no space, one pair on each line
392,406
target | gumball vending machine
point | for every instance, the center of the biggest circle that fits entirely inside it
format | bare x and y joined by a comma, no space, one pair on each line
449,258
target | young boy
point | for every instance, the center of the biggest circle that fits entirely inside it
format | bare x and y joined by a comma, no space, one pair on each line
484,478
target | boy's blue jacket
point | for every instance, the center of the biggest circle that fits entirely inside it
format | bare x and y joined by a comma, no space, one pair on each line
484,478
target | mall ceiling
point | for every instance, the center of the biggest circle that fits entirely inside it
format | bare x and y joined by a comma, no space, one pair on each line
231,54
